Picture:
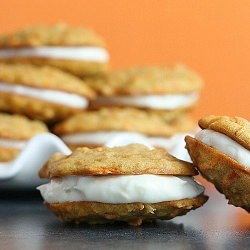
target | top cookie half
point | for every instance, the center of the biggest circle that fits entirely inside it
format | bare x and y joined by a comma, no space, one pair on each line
51,35
18,127
237,128
147,81
127,160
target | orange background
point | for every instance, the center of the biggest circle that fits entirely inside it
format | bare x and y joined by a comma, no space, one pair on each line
213,37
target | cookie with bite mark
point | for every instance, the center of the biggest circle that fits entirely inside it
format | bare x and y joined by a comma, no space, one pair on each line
221,153
77,50
131,184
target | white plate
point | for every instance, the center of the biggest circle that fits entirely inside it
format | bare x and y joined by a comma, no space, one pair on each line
23,171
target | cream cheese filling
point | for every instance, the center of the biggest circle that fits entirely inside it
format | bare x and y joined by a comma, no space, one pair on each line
52,96
170,101
9,143
225,145
120,189
80,53
102,137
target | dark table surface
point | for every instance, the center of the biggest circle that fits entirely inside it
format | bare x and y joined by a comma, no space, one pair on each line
25,223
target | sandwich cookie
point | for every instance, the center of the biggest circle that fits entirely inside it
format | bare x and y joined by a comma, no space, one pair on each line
221,152
131,184
94,128
43,93
152,88
15,131
74,49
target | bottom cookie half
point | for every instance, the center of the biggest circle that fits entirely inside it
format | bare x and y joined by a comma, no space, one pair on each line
132,213
229,177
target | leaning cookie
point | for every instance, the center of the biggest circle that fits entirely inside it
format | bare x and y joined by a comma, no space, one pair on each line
74,49
153,88
131,184
100,127
221,153
43,93
15,131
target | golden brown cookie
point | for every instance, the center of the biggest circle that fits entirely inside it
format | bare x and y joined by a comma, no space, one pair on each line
74,49
42,93
122,120
156,88
115,161
133,213
15,131
125,168
147,80
220,152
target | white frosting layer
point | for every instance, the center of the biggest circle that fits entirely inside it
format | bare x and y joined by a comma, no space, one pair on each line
108,138
151,101
52,96
8,143
94,54
225,145
120,189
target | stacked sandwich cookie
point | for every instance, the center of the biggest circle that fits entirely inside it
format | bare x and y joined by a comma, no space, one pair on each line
43,93
77,50
94,128
130,183
15,131
164,95
221,153
154,89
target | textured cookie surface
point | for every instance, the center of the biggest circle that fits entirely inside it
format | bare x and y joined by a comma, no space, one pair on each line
147,80
236,128
55,35
8,154
131,159
79,68
51,35
19,127
229,177
16,127
43,77
123,119
133,213
35,108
